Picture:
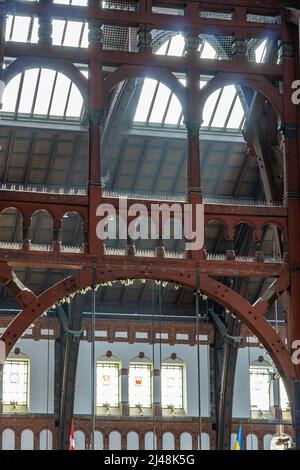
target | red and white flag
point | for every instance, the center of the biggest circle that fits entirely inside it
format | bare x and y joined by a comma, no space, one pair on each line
72,439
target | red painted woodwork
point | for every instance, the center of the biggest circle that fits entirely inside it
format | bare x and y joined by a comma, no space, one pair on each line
144,63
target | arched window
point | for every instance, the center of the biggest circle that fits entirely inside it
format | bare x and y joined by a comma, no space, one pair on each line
46,439
168,441
16,384
42,94
186,441
252,442
133,441
140,384
79,440
108,384
114,440
172,385
27,440
284,401
150,441
8,439
261,373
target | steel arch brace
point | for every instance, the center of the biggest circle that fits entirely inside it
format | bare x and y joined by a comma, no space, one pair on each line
22,294
249,314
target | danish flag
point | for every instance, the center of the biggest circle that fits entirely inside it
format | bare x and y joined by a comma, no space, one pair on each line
72,440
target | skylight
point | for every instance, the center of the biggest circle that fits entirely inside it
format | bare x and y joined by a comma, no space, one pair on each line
42,93
81,3
64,33
223,110
21,29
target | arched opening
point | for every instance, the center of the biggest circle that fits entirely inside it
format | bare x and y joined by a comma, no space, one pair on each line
168,441
272,242
150,441
46,439
132,441
108,389
251,442
98,440
140,391
205,441
27,440
72,232
11,221
79,437
114,440
41,230
16,384
44,94
173,387
186,441
244,239
50,99
8,439
215,238
112,230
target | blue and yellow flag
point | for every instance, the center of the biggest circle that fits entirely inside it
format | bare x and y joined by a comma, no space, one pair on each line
239,439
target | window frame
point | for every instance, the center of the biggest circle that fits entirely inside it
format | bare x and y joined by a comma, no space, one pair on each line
148,365
23,405
118,366
180,366
265,370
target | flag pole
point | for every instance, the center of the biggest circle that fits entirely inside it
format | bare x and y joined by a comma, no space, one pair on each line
93,382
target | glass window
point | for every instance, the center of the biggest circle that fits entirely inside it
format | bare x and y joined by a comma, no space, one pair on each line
260,380
172,386
15,382
107,384
284,401
43,93
140,385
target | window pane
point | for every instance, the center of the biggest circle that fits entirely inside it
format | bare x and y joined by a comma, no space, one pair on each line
145,100
15,383
260,52
176,45
107,384
72,33
57,32
209,107
237,115
140,385
208,52
174,111
81,3
224,105
10,94
163,48
75,103
35,29
160,104
284,401
260,388
29,84
172,386
60,95
44,91
9,19
85,36
20,30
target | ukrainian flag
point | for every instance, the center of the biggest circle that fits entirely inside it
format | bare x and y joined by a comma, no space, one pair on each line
239,439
